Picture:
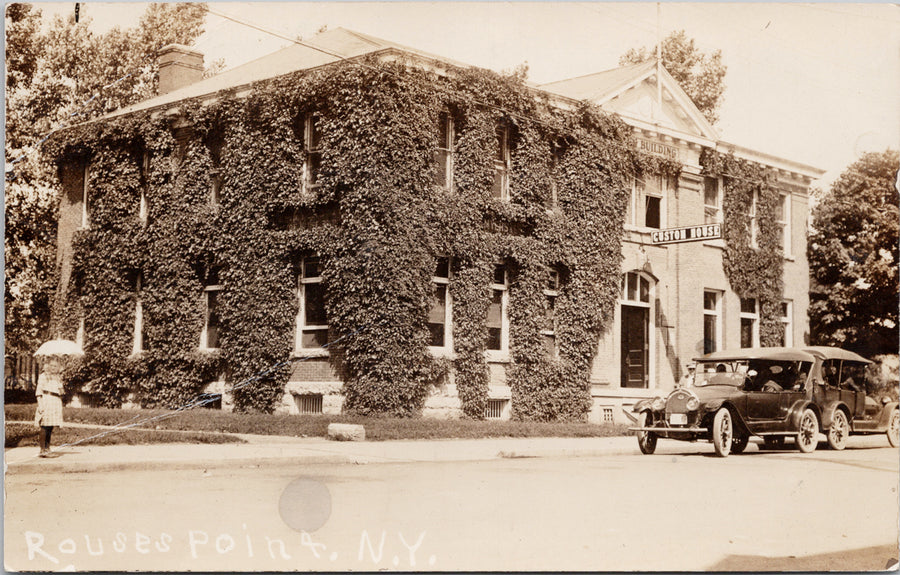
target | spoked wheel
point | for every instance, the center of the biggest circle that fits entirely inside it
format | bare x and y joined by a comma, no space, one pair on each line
839,430
739,442
646,439
893,430
722,432
808,432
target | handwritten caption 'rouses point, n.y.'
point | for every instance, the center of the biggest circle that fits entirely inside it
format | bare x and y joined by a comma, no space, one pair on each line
375,549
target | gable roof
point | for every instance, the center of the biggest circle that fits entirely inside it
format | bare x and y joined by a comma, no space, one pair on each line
603,88
324,48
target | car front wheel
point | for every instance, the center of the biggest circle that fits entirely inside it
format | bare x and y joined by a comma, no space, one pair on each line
722,432
646,439
839,430
808,432
893,430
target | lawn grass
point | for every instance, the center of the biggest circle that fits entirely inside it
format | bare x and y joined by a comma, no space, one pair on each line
26,435
377,428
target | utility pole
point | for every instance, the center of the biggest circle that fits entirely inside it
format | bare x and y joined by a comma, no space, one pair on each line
658,62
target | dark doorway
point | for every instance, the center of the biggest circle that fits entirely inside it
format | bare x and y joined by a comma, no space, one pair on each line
635,366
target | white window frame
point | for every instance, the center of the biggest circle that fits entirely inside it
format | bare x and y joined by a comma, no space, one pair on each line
714,313
301,326
787,322
309,123
785,224
552,291
554,168
85,196
501,354
751,316
137,346
79,334
447,348
716,209
502,164
448,148
638,202
207,290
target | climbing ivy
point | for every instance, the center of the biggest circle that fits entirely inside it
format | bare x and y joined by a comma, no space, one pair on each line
753,271
376,221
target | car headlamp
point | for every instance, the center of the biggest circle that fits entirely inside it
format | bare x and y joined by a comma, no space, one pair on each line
692,404
658,404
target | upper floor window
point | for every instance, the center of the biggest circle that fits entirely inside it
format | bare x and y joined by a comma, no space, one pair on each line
646,207
307,130
209,337
752,220
214,143
712,201
445,150
749,322
139,343
548,330
498,320
440,315
312,320
500,188
783,219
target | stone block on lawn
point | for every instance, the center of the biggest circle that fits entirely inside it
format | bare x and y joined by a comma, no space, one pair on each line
346,432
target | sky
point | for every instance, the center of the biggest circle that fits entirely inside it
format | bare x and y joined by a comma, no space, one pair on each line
813,83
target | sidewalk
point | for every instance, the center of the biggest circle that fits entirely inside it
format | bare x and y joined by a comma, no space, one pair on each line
268,450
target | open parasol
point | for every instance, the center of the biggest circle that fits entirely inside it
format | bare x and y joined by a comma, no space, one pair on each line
59,347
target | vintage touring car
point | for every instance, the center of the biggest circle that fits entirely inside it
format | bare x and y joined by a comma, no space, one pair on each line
773,393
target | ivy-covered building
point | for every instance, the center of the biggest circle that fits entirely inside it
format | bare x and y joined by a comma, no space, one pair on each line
352,224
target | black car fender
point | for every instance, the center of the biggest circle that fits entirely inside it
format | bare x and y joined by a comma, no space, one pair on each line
709,412
828,413
797,410
643,404
886,413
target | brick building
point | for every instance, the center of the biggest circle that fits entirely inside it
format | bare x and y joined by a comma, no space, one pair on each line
676,301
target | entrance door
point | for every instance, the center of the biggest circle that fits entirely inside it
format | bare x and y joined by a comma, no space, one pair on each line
635,367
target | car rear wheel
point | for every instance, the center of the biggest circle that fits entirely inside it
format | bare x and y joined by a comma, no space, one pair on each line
893,430
722,432
808,432
646,439
839,430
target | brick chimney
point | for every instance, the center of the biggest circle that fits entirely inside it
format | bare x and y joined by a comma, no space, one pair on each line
179,66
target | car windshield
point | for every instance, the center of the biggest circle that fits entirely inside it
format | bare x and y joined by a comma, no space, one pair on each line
754,374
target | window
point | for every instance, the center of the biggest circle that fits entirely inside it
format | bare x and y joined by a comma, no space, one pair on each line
307,131
646,208
787,338
548,331
493,409
553,199
783,218
501,165
607,414
712,321
440,315
209,338
752,221
140,343
308,403
712,201
312,321
749,322
145,185
444,155
635,331
85,197
497,320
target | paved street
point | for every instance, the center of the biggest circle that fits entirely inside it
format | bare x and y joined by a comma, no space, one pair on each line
680,509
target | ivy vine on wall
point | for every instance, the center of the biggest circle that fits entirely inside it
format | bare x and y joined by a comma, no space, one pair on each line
389,223
754,271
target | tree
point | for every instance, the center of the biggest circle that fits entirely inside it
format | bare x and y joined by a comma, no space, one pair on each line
58,76
853,259
700,75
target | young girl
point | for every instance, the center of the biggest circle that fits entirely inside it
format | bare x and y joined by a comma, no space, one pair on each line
49,402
